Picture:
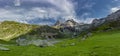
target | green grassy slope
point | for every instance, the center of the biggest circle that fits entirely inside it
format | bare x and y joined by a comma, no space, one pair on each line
99,44
10,29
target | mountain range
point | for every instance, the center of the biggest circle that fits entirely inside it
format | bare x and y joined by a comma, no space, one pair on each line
11,30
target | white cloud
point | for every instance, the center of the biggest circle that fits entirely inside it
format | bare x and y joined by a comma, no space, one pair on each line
45,23
17,2
8,15
116,0
86,14
88,5
88,20
62,9
114,9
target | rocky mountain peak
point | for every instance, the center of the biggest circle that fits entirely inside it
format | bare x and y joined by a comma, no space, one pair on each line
70,23
58,23
114,16
70,20
113,20
95,20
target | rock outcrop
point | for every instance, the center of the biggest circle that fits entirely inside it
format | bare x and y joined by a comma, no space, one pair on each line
109,22
4,48
68,23
114,16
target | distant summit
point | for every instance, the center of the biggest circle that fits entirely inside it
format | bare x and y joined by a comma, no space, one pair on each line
58,23
114,16
68,23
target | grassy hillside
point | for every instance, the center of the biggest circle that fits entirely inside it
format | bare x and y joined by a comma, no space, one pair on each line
107,25
10,29
99,44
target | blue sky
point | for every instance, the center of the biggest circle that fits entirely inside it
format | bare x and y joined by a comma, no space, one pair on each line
48,11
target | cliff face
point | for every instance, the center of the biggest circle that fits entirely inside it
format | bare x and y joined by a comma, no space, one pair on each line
114,16
109,22
68,23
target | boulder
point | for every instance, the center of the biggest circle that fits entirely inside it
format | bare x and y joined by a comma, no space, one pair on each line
4,49
72,44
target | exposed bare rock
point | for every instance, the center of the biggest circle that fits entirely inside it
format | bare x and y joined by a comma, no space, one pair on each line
114,16
97,22
58,23
4,49
68,23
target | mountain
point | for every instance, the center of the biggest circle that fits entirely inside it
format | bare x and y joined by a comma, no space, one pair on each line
10,30
103,24
100,38
57,24
68,23
71,27
97,22
109,22
26,34
114,16
13,30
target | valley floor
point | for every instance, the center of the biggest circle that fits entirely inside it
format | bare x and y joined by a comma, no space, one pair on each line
99,44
